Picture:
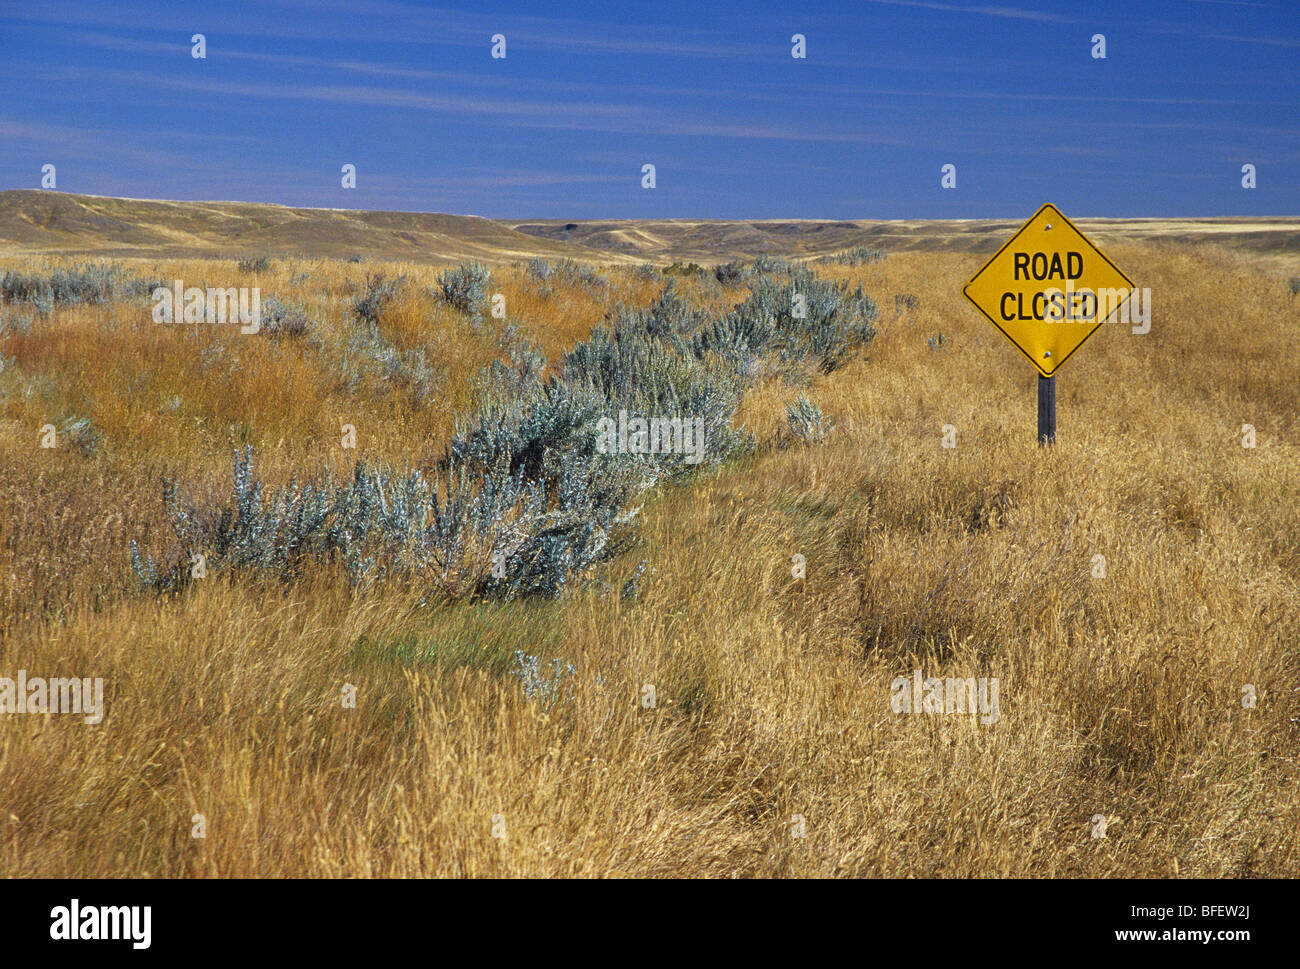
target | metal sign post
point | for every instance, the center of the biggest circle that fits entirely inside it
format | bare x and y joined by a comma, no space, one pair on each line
1046,410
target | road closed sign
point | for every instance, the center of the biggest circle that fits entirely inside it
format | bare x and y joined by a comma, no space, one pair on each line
1048,289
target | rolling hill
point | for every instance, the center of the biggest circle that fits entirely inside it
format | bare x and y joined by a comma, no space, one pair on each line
39,222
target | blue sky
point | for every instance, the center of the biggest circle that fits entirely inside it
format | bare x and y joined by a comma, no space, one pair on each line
890,91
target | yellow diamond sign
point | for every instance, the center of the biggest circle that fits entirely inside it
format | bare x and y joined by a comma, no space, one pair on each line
1048,289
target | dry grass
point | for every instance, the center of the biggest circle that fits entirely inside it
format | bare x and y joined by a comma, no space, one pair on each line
1119,696
52,223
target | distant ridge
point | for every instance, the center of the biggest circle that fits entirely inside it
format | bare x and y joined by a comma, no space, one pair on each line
33,222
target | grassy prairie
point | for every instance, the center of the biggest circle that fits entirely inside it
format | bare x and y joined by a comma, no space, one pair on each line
49,223
1120,696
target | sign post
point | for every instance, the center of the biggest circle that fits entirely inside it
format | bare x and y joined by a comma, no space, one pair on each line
1047,290
1046,410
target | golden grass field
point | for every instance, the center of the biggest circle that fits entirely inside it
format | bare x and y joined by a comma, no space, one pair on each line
1120,696
61,223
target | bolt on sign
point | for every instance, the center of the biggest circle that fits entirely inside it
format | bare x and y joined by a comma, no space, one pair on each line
1048,289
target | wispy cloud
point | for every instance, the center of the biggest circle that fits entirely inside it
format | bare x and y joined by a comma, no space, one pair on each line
1291,42
398,22
1010,95
545,114
1232,3
138,147
397,71
987,10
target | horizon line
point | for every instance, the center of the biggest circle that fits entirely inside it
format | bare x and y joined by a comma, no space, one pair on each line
577,221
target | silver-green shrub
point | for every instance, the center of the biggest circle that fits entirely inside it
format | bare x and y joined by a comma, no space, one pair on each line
523,502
